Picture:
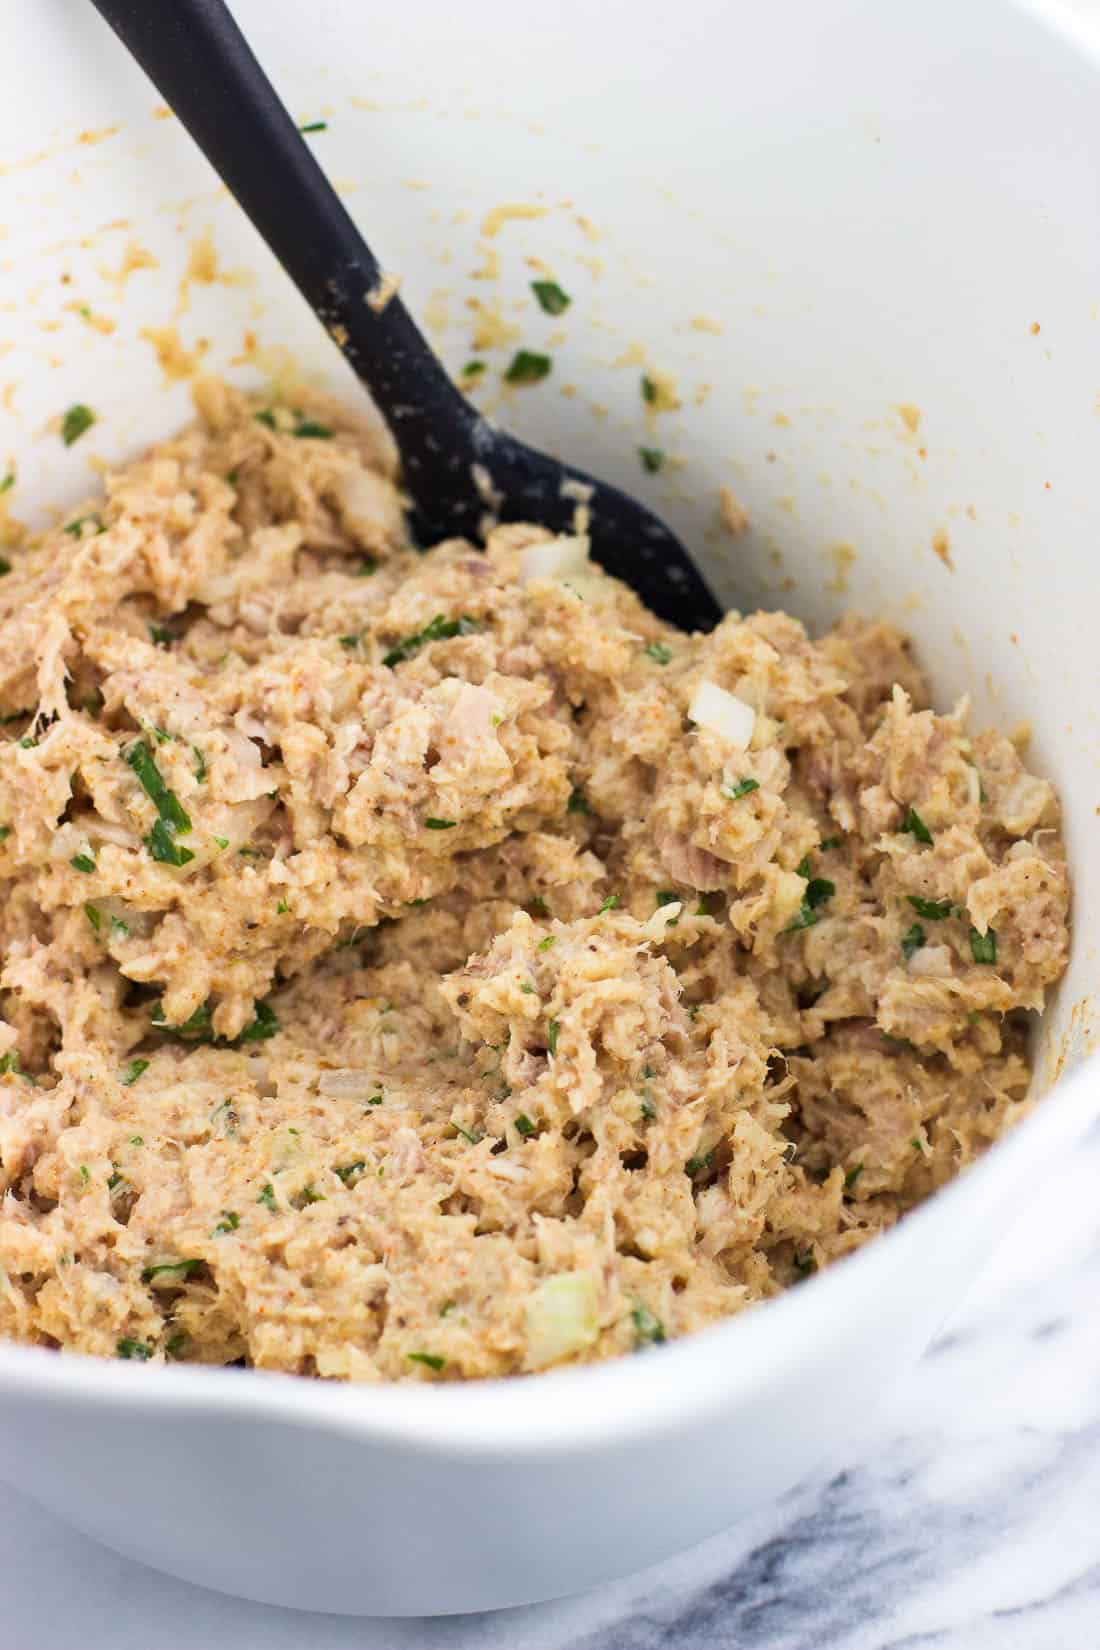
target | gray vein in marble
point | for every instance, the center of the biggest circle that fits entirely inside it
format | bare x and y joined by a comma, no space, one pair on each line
849,1568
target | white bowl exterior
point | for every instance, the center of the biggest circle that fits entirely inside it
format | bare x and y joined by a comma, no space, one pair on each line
875,206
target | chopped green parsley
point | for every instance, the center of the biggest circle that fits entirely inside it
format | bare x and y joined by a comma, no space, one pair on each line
196,1025
551,297
265,1025
744,787
173,1270
348,1171
74,527
527,367
164,847
128,1348
148,775
648,1328
913,940
914,824
431,1359
932,910
76,422
818,891
438,630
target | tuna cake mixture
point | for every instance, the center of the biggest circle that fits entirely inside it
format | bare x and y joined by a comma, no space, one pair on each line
435,966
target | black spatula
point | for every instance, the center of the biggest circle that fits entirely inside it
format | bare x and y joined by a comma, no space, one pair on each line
456,464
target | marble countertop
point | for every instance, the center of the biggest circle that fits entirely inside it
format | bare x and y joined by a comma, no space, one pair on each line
968,1522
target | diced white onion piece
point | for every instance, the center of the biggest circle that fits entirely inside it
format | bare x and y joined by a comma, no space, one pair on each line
68,840
346,1084
371,508
345,1362
104,831
503,1169
1024,849
250,727
723,713
592,587
654,928
554,559
932,962
562,1318
1024,803
241,748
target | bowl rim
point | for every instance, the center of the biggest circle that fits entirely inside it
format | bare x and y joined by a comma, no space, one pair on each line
614,1403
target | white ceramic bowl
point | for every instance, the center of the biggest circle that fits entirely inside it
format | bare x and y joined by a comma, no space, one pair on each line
811,215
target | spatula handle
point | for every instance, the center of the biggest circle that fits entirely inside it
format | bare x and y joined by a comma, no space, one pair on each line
197,57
